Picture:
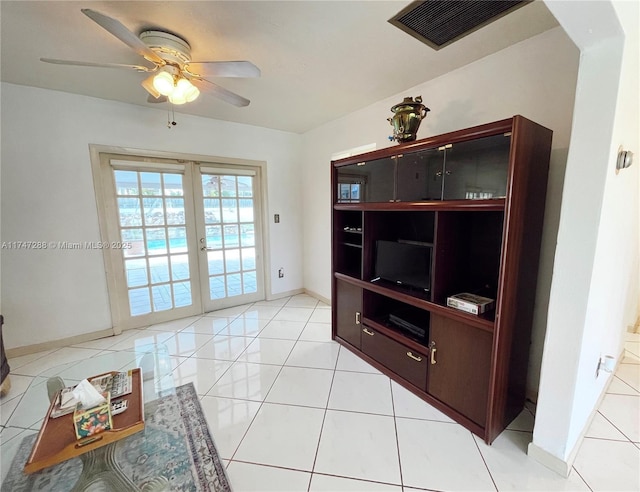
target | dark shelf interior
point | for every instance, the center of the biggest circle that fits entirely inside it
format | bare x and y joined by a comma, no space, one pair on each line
467,257
402,318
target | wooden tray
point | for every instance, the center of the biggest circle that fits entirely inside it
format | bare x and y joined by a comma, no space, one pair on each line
57,441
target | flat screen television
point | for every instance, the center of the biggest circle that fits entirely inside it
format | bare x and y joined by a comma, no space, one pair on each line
404,262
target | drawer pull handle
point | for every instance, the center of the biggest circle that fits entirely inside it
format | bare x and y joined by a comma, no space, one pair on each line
370,333
414,357
357,318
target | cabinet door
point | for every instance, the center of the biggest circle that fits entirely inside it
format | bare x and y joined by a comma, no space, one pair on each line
460,375
349,308
477,169
420,176
368,181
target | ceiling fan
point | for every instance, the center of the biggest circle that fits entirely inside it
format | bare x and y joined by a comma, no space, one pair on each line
174,77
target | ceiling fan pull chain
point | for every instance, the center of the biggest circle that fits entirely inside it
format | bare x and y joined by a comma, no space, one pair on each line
171,117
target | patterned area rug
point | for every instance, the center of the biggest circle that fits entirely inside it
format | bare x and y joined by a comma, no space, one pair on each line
175,444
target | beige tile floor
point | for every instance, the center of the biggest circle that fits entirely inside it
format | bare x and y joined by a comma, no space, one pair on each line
290,409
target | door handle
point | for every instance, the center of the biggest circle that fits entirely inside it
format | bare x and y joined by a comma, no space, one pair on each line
204,248
370,333
432,347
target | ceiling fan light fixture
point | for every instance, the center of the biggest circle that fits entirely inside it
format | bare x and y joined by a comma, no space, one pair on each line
190,91
183,92
177,98
163,83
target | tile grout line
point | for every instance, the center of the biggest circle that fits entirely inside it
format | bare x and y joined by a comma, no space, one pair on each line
227,370
486,465
581,478
626,384
395,427
265,396
615,426
324,417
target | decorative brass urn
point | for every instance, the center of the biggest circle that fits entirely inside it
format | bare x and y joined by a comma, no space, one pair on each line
406,120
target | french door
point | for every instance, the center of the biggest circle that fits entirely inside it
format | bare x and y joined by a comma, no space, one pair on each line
227,234
182,238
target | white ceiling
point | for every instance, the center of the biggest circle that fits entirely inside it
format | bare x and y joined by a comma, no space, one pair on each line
320,60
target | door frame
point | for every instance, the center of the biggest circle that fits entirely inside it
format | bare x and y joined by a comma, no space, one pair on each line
118,321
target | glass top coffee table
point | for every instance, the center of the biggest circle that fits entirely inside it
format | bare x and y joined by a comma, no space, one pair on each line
100,468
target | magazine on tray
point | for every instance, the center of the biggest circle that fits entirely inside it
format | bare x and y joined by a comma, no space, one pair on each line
117,384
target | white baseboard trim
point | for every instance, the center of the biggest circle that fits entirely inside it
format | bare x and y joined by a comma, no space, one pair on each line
557,464
280,295
550,461
87,337
317,296
54,344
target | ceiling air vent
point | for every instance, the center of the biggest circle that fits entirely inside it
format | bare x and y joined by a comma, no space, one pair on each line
440,22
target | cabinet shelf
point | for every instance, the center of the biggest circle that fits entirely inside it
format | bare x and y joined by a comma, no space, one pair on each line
352,245
409,296
495,204
397,336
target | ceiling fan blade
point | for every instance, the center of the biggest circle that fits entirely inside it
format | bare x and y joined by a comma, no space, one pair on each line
159,99
223,69
116,28
224,94
138,68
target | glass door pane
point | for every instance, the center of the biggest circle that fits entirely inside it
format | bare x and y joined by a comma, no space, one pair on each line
477,169
420,176
228,240
369,181
152,224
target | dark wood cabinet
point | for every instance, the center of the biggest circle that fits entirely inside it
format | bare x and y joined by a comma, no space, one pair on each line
472,202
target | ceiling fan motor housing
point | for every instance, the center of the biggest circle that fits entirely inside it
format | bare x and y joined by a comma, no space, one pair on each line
171,48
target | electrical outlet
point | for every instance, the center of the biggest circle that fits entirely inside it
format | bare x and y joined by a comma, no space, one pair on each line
276,218
281,273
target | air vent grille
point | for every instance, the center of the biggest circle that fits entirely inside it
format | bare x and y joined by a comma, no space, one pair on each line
440,22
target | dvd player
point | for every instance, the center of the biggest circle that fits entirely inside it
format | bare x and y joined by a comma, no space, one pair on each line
403,324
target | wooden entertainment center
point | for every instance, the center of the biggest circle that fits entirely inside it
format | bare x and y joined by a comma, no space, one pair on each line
473,201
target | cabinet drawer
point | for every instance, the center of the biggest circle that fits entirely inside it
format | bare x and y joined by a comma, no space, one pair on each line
405,362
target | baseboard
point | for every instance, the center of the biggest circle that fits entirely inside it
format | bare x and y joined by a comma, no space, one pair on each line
550,461
280,295
55,344
553,462
87,337
317,296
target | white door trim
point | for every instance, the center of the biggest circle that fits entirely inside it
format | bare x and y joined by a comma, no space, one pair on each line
145,155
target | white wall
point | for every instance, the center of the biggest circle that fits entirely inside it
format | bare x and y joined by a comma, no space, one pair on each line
595,288
47,195
535,78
